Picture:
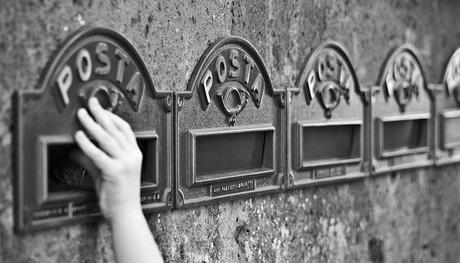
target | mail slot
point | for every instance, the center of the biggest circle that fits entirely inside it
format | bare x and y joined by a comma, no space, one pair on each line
326,124
51,188
448,113
228,127
402,132
247,153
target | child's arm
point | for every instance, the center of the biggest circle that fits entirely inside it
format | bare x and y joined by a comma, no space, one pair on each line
116,169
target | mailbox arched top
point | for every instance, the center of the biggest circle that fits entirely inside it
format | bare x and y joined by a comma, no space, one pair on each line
451,79
403,75
230,65
328,75
96,54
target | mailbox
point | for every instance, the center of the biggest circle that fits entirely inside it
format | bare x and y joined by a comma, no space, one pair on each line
229,127
50,187
401,114
325,111
448,113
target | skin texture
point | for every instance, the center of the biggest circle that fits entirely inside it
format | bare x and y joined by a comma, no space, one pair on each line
116,169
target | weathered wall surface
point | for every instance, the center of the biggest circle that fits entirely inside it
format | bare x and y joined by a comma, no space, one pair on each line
408,217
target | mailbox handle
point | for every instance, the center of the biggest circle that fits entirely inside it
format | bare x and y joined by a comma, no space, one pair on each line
403,94
108,96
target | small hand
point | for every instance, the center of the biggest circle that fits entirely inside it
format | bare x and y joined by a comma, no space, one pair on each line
115,164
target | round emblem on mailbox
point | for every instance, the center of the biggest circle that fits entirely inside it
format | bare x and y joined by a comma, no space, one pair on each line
329,77
452,77
98,62
232,72
403,77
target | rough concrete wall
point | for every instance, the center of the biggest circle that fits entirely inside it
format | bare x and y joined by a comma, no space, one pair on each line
407,217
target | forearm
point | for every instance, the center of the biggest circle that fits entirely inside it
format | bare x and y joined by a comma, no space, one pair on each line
132,239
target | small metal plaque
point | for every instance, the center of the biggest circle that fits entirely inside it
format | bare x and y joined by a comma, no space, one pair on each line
150,196
85,208
49,184
401,115
50,212
330,172
232,188
228,127
325,128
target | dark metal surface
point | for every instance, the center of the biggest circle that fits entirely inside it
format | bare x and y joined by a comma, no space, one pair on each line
448,113
51,188
228,123
325,126
401,110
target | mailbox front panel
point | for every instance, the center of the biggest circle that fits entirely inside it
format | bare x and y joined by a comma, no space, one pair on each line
401,114
448,113
51,188
326,120
229,127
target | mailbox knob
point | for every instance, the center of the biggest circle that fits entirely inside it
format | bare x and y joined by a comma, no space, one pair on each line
106,93
330,95
403,94
233,100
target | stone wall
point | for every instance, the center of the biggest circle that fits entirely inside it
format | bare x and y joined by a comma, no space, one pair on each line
403,217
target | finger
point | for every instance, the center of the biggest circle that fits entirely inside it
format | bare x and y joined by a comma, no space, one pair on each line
102,118
98,157
105,140
124,127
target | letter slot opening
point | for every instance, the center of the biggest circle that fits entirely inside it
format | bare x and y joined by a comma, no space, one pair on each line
148,146
325,144
450,126
67,179
219,156
401,136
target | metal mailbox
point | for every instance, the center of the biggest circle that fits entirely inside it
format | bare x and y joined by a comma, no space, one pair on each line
325,111
448,113
401,114
229,127
50,187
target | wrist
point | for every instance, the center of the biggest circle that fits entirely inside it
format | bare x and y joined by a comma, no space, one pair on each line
125,214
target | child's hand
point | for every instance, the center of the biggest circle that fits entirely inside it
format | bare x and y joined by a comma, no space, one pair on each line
115,163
